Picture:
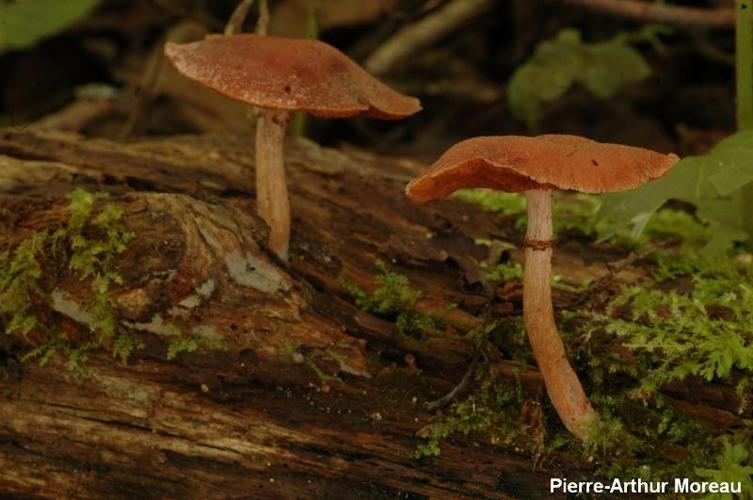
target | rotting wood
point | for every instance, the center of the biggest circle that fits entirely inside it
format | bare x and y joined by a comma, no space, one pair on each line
255,420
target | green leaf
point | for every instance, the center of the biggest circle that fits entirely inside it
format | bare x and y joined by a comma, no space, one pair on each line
711,182
25,22
610,66
603,68
732,160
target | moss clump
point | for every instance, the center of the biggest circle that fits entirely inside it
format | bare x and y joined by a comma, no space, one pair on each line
512,204
87,245
570,213
394,299
180,342
504,272
733,464
20,272
488,413
678,225
691,318
579,213
92,259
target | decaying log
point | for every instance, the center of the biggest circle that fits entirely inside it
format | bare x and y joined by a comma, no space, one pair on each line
253,420
146,432
312,395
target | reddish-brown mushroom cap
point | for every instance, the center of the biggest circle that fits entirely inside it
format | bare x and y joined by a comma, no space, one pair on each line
517,163
290,74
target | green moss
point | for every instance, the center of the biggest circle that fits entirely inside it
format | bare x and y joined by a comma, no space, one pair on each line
744,391
92,258
570,213
20,273
691,318
59,345
676,224
512,204
733,464
704,331
393,295
395,299
576,213
181,342
22,290
488,413
503,272
606,436
625,454
87,246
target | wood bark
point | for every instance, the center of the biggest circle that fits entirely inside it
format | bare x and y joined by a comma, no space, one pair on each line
256,420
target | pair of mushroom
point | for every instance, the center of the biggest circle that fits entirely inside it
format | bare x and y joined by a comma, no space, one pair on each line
282,75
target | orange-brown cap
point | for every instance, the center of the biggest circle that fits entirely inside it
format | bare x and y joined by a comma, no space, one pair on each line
517,163
291,74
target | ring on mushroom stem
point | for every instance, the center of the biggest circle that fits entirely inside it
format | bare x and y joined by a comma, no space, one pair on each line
536,166
539,244
282,75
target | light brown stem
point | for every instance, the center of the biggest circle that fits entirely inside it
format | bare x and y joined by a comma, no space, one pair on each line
272,200
562,384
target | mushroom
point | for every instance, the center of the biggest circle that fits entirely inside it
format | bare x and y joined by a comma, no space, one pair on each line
280,76
537,166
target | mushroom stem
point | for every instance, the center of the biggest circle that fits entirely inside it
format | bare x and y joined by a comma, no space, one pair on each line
562,384
272,199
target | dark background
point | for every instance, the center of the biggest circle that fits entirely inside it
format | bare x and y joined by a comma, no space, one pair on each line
685,105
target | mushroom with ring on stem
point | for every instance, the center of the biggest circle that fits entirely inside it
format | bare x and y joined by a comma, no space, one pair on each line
536,166
280,76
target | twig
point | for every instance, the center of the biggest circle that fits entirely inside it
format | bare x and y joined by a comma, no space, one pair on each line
464,382
147,87
721,17
423,33
235,23
707,49
77,115
144,92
